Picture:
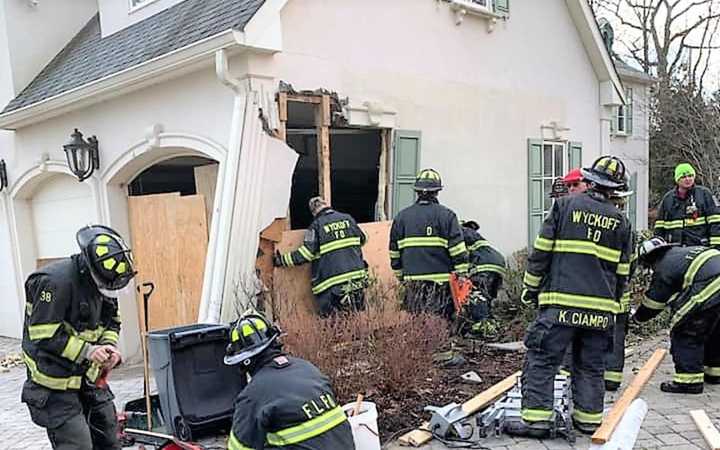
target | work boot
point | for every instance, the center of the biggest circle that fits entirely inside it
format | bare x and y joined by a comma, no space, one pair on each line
537,430
681,388
611,386
585,428
712,379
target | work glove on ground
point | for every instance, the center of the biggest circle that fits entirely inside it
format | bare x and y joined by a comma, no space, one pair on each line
529,297
277,259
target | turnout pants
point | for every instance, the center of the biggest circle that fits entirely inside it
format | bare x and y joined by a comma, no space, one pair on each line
546,342
695,347
74,420
429,297
615,357
488,284
339,299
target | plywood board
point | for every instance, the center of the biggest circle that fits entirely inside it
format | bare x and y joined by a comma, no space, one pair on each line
706,427
205,184
169,241
292,284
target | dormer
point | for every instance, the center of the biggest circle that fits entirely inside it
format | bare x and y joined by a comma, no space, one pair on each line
116,15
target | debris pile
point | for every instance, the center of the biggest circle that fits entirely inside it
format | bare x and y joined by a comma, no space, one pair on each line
9,361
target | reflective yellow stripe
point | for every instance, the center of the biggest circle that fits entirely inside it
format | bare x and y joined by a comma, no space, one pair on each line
457,249
695,222
696,264
715,218
669,224
479,244
339,244
436,277
623,269
625,302
489,268
306,253
338,279
394,254
652,304
249,330
462,268
587,417
564,372
712,371
689,378
309,429
91,336
428,241
43,331
398,273
709,290
73,348
715,240
110,337
536,415
543,244
579,301
532,280
56,383
93,372
611,375
587,248
287,260
28,308
235,444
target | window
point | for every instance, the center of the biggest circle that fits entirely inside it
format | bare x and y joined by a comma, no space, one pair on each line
498,6
547,160
135,4
623,120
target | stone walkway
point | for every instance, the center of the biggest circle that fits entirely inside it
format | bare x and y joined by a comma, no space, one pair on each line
667,426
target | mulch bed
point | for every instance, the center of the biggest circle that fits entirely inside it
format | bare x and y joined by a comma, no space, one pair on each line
401,411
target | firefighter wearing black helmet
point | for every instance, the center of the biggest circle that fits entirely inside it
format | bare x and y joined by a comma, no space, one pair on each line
333,245
288,402
687,281
70,335
426,245
576,274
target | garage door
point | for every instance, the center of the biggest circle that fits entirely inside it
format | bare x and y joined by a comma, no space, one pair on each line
60,206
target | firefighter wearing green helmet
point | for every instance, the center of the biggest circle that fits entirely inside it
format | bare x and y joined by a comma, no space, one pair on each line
426,245
688,214
70,335
288,402
576,275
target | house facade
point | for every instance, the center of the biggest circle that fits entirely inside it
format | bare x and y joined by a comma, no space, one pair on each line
193,98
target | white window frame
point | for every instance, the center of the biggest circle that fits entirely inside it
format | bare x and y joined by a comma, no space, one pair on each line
622,118
135,5
562,147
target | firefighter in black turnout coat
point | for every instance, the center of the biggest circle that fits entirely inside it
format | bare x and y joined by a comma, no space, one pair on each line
333,244
686,280
288,402
576,274
426,245
71,330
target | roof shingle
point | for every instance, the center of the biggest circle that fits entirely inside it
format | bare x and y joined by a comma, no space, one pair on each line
89,57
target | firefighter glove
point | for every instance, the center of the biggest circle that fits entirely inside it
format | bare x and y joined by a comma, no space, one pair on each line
529,297
277,259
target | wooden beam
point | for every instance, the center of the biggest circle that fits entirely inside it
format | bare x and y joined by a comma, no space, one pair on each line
283,116
706,427
322,122
422,435
602,434
383,176
315,99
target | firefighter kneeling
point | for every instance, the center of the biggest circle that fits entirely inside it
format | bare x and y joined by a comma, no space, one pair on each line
288,403
576,274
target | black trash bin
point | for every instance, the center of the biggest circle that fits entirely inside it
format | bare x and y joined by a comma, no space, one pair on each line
197,390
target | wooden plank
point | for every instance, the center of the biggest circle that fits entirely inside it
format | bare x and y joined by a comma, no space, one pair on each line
422,436
322,122
282,106
315,99
383,175
205,184
191,229
706,427
604,432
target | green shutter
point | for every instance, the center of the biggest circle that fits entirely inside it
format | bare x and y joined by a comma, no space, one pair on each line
406,158
535,189
501,7
629,112
574,155
614,121
632,201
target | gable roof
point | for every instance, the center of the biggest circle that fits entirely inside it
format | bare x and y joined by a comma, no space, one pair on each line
89,57
630,73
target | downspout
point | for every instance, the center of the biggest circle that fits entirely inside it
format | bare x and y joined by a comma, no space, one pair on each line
218,246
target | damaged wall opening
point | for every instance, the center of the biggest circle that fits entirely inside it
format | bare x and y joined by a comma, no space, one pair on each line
354,167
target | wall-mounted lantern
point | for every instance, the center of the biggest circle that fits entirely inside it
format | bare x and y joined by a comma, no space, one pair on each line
82,155
3,175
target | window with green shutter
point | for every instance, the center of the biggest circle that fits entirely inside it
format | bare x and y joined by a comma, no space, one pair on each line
406,164
501,7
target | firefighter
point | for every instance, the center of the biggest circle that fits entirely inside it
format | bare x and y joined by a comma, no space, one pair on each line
575,182
687,214
487,269
576,275
426,245
332,244
686,280
288,402
69,341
